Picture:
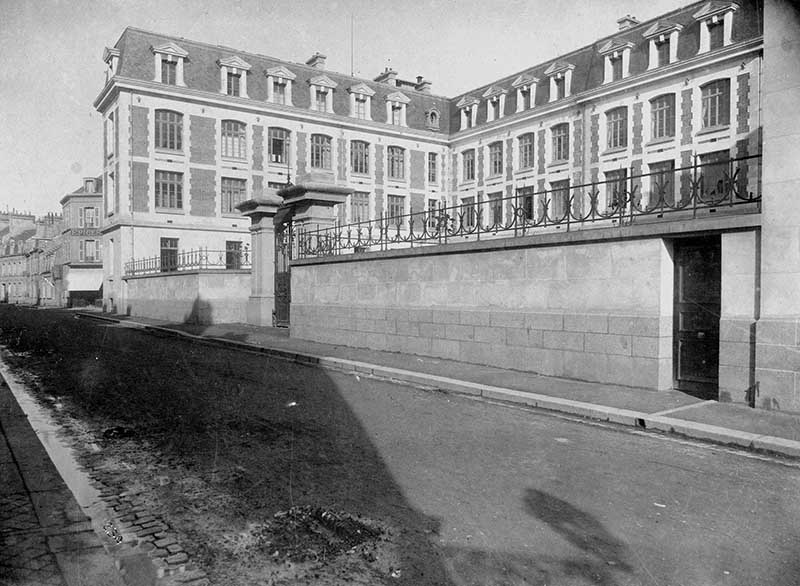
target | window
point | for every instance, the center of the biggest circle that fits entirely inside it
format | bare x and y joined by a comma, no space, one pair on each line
359,207
716,35
88,218
560,88
616,68
526,196
559,199
494,109
87,251
468,117
169,254
468,164
278,91
110,135
716,103
321,100
524,96
359,157
169,72
616,182
320,151
714,175
560,134
496,207
169,190
234,139
432,168
663,116
496,158
234,84
433,119
234,192
233,255
278,145
662,52
526,151
169,130
469,212
397,160
396,207
361,107
617,127
433,213
662,182
397,115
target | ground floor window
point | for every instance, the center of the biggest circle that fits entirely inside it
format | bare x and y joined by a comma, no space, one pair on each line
559,199
397,207
233,255
169,254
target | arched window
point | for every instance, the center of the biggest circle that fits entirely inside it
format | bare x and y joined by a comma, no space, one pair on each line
617,126
234,139
526,151
278,145
662,110
396,162
716,103
560,134
169,130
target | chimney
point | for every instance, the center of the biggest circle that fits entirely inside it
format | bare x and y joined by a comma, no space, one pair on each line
423,85
388,76
627,22
317,61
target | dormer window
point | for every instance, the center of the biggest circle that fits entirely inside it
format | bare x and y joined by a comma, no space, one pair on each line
396,108
111,58
617,55
361,101
663,37
168,60
469,111
233,76
560,75
716,25
432,119
496,102
321,93
526,91
279,85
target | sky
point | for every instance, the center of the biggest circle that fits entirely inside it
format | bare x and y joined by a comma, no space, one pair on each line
51,66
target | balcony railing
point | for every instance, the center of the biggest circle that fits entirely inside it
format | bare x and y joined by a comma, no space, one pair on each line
202,259
686,193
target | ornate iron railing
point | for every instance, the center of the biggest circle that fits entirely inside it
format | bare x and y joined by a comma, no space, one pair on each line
202,259
670,194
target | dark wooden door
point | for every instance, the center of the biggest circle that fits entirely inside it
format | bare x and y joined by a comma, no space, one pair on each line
283,275
697,306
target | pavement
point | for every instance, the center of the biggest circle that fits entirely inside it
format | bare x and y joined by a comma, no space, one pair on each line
670,412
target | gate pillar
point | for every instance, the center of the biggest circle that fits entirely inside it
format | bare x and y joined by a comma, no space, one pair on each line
261,212
312,203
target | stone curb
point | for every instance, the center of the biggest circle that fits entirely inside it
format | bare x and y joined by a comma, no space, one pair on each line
690,429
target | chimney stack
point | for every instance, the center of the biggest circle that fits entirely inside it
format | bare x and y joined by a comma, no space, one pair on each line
317,61
388,76
627,22
422,85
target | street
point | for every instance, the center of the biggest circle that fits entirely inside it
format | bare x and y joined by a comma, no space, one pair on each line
469,491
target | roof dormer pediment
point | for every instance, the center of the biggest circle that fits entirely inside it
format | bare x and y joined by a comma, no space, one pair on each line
361,88
714,9
661,28
524,79
108,53
170,49
467,101
323,81
558,67
281,71
493,91
235,62
398,97
614,46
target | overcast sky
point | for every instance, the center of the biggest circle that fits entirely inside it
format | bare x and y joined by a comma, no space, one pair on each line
52,68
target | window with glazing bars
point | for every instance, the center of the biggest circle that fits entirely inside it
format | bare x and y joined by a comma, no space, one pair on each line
662,182
396,207
169,190
169,254
526,151
88,218
322,100
560,134
496,207
616,182
233,255
663,116
169,71
397,162
432,168
359,157
361,107
526,196
559,199
234,192
234,139
320,151
169,130
433,213
278,145
359,206
496,158
279,91
716,103
468,164
234,83
468,212
617,128
662,52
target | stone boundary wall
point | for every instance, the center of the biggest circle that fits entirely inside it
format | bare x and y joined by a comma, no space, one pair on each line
597,311
201,297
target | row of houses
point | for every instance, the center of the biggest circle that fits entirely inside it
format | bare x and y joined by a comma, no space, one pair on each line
54,260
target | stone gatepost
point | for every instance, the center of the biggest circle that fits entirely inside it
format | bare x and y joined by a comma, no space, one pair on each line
778,329
261,212
312,203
